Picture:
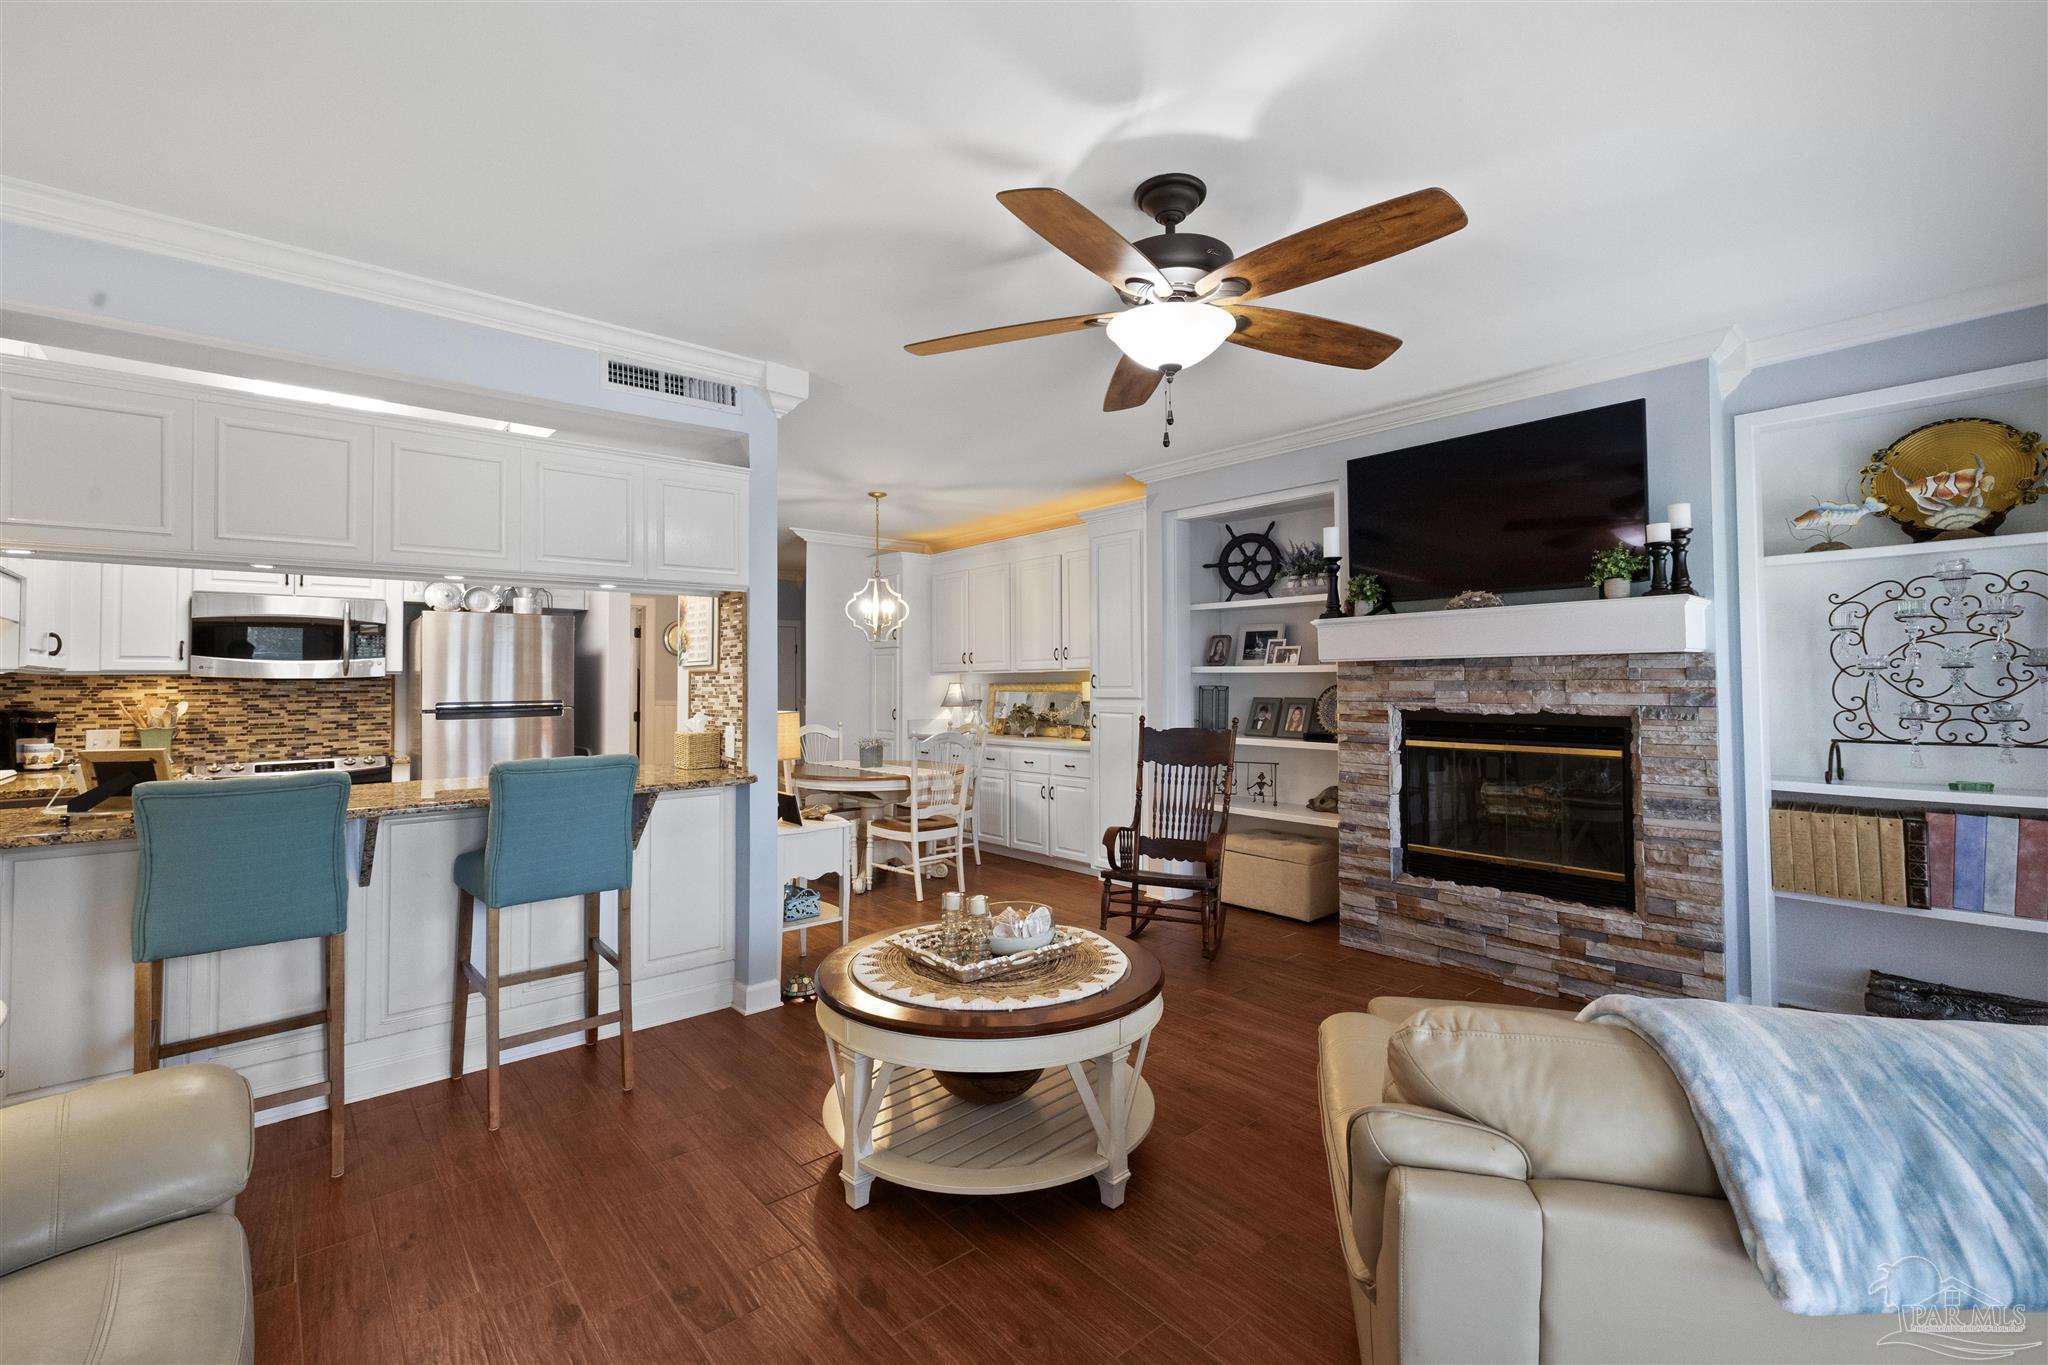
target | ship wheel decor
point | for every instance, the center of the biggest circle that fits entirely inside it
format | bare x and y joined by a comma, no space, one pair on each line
1250,562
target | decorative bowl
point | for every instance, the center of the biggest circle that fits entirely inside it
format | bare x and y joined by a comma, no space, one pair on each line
1003,946
1020,926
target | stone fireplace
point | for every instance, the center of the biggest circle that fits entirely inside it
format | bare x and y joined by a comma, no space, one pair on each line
1550,821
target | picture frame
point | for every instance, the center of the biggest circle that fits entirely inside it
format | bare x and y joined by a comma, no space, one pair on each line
1280,654
1252,644
1263,719
1218,653
1296,716
696,642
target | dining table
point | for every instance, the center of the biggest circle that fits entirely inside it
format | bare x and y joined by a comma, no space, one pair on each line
885,785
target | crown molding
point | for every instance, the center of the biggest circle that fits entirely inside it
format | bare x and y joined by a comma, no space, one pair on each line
1732,352
859,540
99,220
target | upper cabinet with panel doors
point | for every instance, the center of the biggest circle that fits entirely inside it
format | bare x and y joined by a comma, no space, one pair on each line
696,524
1117,597
1049,609
93,466
145,613
276,483
448,500
585,513
971,627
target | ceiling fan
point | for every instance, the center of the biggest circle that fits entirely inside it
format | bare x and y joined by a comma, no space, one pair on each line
1185,294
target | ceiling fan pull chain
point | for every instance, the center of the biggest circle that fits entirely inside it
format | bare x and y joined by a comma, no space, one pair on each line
1166,437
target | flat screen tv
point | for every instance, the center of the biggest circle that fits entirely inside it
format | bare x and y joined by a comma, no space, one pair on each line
1517,509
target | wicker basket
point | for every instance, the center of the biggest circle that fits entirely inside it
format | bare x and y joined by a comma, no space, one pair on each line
704,750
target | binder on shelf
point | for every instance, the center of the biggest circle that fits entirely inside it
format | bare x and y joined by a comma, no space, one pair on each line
2001,863
1969,862
1869,859
1825,868
1941,859
2030,887
1848,879
1781,849
1915,839
1801,822
1891,854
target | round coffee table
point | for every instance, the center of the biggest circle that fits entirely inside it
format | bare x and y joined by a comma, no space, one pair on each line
893,1118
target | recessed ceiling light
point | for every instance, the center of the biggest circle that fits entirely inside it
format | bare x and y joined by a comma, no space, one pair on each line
263,566
12,551
607,585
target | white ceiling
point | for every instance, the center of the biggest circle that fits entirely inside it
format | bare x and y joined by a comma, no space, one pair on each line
815,185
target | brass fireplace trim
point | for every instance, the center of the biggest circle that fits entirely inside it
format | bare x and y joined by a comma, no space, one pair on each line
1511,749
1600,873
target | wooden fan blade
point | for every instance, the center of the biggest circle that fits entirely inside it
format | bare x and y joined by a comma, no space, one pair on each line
1341,244
1068,225
1021,331
1131,386
1301,336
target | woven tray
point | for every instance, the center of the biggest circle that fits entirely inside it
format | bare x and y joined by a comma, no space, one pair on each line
922,944
1091,966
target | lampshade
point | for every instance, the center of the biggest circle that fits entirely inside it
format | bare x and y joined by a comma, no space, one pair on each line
788,741
1178,334
956,695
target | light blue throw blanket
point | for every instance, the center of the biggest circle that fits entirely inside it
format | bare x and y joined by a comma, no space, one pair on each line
1858,1151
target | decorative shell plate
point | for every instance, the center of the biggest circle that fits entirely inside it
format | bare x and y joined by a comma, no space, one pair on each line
1957,477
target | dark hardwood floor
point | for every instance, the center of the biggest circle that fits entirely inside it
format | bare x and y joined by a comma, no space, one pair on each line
700,1218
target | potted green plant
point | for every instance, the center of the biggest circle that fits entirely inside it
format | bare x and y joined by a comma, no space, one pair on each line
1613,569
870,751
1364,590
1304,566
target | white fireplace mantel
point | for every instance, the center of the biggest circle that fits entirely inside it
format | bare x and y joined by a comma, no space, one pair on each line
1672,624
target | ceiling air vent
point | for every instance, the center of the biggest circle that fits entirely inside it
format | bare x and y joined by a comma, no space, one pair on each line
688,388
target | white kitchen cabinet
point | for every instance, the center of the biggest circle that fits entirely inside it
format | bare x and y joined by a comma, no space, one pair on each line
1030,812
949,620
885,673
270,483
90,466
697,524
1117,592
60,616
336,585
1113,752
447,499
1035,602
268,582
992,798
585,513
988,618
144,615
1071,831
1077,608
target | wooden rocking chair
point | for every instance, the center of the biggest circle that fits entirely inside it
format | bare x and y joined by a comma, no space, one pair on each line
1185,780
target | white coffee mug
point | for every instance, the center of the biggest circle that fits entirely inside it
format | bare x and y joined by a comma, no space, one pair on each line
37,753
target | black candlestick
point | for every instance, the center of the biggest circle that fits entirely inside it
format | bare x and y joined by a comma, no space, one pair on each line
1333,610
1681,573
1660,568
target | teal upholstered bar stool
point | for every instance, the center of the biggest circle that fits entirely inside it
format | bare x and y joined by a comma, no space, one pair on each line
234,864
558,827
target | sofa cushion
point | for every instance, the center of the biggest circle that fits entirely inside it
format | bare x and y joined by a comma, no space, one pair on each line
1351,1072
1584,1101
179,1291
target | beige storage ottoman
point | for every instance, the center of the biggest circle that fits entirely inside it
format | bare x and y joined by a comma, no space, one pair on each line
1282,874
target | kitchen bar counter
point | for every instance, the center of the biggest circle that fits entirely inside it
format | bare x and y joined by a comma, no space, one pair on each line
35,828
67,904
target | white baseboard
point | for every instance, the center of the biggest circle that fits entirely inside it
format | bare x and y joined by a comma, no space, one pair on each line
756,997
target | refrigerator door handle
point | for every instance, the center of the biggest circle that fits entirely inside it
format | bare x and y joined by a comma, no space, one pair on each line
488,710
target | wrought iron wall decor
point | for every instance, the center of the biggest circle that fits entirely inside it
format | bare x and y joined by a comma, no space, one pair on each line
1935,660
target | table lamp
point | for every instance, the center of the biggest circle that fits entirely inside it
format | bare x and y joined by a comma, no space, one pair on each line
957,700
789,745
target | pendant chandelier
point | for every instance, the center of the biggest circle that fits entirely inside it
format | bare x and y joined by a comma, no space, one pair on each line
878,610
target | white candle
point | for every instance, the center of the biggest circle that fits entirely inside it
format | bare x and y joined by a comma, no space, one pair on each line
1657,532
1330,550
1680,515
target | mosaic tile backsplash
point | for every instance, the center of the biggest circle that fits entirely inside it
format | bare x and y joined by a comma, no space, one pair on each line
240,719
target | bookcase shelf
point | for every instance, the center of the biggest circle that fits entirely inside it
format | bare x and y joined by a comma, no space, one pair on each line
1977,917
2029,799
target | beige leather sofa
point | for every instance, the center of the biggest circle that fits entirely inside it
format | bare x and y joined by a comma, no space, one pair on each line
118,1240
1512,1185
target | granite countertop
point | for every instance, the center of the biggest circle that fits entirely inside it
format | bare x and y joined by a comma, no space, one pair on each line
32,828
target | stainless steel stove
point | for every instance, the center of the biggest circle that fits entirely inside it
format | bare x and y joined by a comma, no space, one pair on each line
369,768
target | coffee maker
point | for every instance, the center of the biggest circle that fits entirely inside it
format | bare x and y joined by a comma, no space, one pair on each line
18,727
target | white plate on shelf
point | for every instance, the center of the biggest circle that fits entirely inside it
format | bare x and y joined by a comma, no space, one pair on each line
481,598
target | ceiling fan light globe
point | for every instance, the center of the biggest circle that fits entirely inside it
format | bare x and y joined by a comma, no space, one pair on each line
1178,334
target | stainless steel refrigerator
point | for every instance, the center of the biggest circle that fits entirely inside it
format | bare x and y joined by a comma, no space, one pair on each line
489,686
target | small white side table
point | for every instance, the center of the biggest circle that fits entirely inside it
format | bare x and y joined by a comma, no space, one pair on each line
813,849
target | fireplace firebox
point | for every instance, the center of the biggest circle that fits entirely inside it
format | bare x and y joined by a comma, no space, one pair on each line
1536,803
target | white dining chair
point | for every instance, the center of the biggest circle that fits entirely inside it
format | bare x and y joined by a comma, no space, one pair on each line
962,748
929,824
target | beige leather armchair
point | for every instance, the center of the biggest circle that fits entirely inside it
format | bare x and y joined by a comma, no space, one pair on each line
1512,1185
118,1240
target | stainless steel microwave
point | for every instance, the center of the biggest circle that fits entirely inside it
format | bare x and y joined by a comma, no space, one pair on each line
257,635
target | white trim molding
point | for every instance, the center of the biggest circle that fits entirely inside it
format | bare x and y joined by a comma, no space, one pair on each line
859,540
100,220
1676,623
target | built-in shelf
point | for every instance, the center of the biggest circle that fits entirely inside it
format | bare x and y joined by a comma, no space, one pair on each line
1312,599
2025,926
1274,670
1261,742
1287,815
1915,793
1977,544
814,922
1675,623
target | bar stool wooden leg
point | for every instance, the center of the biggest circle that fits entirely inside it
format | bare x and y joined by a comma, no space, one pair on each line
149,1014
625,986
465,928
337,1010
491,1015
592,903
